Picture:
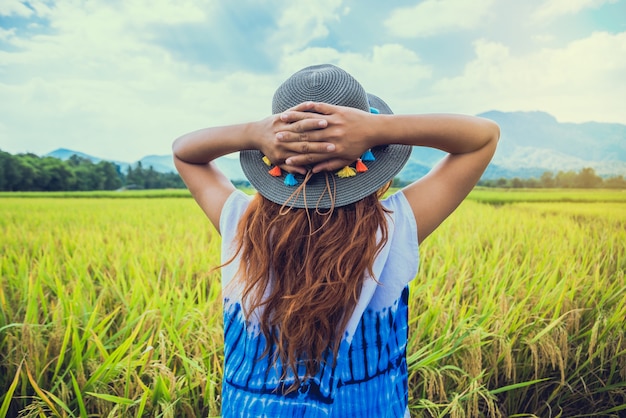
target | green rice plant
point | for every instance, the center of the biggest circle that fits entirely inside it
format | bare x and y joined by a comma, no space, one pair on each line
501,196
111,307
479,194
109,194
540,289
106,194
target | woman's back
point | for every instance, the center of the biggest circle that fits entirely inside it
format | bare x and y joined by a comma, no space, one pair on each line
371,358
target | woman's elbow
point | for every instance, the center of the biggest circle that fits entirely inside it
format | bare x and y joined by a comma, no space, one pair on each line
494,131
176,146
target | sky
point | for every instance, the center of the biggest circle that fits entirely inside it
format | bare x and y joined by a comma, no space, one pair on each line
121,79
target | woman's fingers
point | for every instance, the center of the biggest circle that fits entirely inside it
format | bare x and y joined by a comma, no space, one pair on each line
319,135
303,120
300,131
302,107
305,148
306,138
332,164
315,107
293,169
309,159
286,137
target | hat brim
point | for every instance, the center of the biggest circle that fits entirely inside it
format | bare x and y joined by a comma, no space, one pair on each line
389,160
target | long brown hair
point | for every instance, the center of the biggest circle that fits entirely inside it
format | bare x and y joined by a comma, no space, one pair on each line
303,270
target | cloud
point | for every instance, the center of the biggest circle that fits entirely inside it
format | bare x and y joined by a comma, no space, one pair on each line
554,8
391,71
432,17
109,118
97,82
6,34
302,22
14,8
581,81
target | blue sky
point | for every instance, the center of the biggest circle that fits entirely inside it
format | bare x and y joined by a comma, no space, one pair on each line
120,79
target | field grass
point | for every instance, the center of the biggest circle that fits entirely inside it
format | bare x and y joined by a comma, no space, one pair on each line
109,194
479,194
109,307
501,196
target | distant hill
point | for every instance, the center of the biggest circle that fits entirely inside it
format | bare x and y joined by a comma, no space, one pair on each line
534,142
65,154
161,163
530,144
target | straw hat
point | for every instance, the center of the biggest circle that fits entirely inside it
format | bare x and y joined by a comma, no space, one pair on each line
328,84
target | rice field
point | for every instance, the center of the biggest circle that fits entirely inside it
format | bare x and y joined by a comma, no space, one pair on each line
109,308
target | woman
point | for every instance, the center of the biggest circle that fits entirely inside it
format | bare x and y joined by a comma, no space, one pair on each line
316,266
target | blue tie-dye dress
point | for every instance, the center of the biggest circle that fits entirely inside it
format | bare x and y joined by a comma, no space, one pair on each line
370,376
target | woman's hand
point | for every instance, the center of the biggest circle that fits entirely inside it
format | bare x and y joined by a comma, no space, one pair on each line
287,135
329,138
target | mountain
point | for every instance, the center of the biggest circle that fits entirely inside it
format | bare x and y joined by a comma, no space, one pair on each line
229,165
65,154
160,163
534,142
530,144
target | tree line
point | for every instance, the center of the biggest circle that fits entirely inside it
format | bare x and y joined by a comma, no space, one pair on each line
29,172
583,179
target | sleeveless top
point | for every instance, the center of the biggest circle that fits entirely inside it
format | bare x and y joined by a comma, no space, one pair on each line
370,376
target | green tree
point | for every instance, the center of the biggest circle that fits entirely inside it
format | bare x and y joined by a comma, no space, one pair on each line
55,175
566,179
547,179
151,179
616,182
110,175
588,179
8,172
135,176
26,174
517,183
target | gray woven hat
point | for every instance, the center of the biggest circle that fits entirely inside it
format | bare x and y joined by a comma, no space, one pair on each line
328,84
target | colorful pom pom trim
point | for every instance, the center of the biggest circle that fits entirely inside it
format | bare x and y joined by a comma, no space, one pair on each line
345,172
360,167
368,156
276,171
290,180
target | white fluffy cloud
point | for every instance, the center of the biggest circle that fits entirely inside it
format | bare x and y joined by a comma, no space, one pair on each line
554,8
432,17
302,22
390,70
96,84
14,8
581,81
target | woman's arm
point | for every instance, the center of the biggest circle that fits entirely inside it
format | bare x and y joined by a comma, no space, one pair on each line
469,141
194,154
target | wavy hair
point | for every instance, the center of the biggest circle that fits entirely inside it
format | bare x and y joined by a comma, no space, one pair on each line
302,271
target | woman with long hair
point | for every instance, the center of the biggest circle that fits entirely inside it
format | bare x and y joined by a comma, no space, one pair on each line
316,264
